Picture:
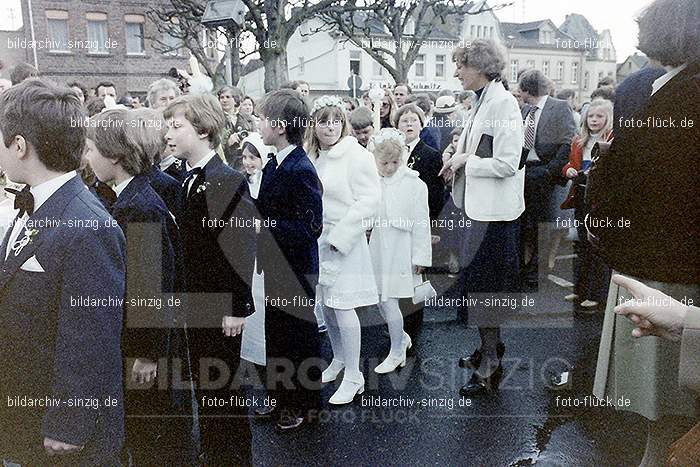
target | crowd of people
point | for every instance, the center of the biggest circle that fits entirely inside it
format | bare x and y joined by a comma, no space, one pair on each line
139,238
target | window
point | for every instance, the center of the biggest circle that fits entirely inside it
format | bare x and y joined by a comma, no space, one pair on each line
420,66
545,68
377,69
301,65
173,45
513,71
210,43
439,66
97,33
586,79
134,34
355,61
547,37
473,29
57,26
606,54
478,31
491,32
530,64
574,73
560,71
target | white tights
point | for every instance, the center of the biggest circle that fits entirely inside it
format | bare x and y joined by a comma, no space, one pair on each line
394,319
344,333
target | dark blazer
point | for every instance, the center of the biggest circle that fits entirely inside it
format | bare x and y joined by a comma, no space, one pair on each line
632,94
430,135
167,187
555,129
218,237
290,202
54,344
647,178
151,235
428,162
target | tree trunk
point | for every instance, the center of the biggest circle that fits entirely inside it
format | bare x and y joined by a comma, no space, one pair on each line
275,61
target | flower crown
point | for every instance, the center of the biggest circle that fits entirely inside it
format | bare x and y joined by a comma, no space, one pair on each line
388,134
328,101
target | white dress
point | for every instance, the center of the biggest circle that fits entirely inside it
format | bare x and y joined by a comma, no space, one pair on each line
253,338
401,234
350,200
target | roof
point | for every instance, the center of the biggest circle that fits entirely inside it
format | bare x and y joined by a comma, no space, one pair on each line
578,27
639,60
516,34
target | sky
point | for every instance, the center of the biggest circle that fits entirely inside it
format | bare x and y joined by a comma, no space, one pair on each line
616,15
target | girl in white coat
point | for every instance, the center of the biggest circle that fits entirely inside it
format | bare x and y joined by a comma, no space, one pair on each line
400,242
350,201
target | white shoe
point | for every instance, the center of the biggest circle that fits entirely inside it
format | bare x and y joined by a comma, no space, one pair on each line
589,304
347,391
571,297
391,363
332,372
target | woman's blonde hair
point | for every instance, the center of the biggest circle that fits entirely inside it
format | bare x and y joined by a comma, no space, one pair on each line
607,107
324,114
393,106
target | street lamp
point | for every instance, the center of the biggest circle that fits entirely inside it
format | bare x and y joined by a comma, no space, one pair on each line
229,14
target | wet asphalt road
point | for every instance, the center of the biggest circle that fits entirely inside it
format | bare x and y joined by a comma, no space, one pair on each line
522,425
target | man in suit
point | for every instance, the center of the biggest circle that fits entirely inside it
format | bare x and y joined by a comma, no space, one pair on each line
61,292
290,202
549,128
217,225
151,334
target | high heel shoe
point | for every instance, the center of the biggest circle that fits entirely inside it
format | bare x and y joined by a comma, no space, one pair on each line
474,360
332,372
390,363
480,386
347,391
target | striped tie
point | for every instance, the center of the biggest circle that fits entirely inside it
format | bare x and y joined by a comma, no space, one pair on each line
530,128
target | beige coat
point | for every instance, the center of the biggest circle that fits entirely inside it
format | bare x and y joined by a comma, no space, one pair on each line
689,367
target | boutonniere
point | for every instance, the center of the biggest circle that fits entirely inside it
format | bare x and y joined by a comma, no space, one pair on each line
178,164
202,187
19,245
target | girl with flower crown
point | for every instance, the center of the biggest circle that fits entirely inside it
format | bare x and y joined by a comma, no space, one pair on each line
350,200
400,244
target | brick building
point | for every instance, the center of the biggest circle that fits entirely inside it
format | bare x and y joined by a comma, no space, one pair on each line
93,40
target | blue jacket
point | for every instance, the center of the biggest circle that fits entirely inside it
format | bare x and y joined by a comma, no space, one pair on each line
56,344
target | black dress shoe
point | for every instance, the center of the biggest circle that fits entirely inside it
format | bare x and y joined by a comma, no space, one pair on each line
288,423
480,386
474,360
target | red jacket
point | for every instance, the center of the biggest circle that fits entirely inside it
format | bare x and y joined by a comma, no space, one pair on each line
576,161
576,154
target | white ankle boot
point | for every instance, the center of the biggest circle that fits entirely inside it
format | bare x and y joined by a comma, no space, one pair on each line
391,362
347,391
331,373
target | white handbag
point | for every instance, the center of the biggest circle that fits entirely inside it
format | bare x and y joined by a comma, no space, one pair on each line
423,290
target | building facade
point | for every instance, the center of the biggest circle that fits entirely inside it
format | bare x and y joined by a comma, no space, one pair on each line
92,41
573,55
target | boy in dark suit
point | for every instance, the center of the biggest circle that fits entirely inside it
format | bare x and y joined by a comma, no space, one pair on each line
61,292
290,203
115,149
217,225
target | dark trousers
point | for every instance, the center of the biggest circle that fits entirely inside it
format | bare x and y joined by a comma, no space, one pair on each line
293,370
224,430
591,274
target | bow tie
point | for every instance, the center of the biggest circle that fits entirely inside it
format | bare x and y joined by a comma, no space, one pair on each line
191,174
24,200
